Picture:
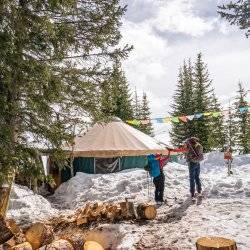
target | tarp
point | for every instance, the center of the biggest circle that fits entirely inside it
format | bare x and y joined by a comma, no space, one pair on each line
115,139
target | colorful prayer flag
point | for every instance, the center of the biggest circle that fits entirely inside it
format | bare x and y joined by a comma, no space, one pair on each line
243,109
183,118
167,119
198,115
207,114
159,120
144,122
175,119
190,117
134,122
216,114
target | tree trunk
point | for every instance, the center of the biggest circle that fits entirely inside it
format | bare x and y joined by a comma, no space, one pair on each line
92,245
146,211
35,186
4,196
218,243
39,235
6,233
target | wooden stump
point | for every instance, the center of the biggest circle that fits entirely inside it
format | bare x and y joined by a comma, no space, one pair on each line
146,211
60,245
39,234
92,245
23,246
6,233
218,243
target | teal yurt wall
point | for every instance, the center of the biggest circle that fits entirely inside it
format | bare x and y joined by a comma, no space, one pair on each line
86,165
129,162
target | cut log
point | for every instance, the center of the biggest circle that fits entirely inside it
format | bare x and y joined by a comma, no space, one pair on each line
19,236
60,245
218,243
81,220
39,235
9,244
127,210
6,233
146,211
23,246
76,240
92,245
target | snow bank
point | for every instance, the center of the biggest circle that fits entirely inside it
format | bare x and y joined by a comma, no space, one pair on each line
26,207
102,187
134,183
215,159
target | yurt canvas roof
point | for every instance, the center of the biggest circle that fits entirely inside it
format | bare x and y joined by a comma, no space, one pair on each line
115,139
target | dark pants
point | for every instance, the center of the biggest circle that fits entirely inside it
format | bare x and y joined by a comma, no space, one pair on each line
159,183
194,177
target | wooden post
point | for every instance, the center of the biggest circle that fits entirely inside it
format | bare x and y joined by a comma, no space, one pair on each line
218,243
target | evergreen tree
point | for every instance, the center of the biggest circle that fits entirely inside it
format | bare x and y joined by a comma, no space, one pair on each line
145,127
183,105
136,106
242,122
237,13
202,99
230,129
116,98
217,138
52,53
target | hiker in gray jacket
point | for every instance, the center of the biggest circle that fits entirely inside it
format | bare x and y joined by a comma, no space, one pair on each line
193,156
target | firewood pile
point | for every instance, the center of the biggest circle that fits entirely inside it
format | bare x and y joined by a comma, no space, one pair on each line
44,235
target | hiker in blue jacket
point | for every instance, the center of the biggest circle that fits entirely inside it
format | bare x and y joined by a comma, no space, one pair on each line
193,156
156,171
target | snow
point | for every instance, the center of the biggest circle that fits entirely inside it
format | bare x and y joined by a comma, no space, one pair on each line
224,211
111,187
26,207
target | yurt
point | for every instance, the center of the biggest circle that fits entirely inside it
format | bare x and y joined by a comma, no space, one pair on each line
110,147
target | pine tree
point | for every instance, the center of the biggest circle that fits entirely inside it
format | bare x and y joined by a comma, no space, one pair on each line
230,129
51,56
242,122
183,105
136,106
145,127
116,99
237,13
217,138
202,99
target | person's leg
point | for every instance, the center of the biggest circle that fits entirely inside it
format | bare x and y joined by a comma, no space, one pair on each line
191,168
197,178
161,187
156,183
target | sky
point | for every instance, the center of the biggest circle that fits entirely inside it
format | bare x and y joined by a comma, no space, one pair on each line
165,32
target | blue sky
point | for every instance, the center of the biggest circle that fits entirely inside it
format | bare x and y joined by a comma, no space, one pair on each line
165,32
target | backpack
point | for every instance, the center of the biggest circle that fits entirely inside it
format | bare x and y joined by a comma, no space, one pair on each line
153,166
195,153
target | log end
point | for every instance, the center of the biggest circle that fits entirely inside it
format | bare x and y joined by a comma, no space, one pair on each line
208,243
92,245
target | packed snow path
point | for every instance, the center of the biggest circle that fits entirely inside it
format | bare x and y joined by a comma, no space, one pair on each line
223,212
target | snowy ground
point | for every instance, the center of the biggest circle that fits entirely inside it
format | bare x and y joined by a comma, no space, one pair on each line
223,212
